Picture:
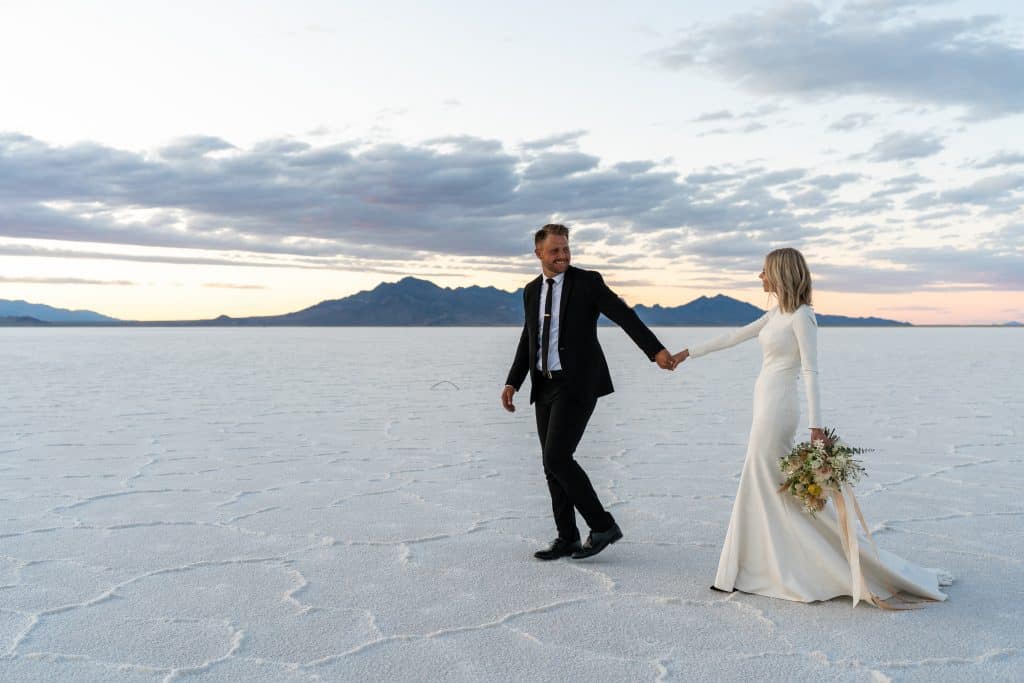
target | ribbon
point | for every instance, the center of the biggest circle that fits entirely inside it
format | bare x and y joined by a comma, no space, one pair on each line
848,536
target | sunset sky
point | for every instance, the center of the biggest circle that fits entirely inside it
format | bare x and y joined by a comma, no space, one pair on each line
188,159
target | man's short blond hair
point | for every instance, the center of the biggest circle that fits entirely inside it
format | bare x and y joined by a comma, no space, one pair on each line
550,229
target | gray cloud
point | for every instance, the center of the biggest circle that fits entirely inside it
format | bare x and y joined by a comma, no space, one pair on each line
193,147
927,269
456,195
871,48
903,146
722,115
772,178
997,194
63,281
554,164
986,191
567,139
1002,159
726,115
752,127
711,176
284,203
852,121
900,185
942,267
343,264
833,181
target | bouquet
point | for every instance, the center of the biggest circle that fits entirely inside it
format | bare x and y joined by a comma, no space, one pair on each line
816,469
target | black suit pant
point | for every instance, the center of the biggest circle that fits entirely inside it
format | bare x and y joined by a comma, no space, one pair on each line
561,420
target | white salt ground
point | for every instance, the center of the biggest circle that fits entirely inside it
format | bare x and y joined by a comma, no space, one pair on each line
353,504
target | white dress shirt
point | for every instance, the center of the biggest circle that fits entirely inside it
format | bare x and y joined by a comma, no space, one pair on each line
554,362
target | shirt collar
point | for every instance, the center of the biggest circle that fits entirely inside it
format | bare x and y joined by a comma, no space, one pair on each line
558,278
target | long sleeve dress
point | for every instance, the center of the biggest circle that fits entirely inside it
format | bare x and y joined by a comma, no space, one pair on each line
773,547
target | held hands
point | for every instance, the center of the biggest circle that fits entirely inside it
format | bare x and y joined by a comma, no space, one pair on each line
664,360
506,398
681,356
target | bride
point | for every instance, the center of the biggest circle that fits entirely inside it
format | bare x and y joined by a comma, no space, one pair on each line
773,547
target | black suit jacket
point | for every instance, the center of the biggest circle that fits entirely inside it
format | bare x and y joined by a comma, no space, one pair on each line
585,297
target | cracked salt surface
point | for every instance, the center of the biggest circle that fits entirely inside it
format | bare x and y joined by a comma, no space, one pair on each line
224,505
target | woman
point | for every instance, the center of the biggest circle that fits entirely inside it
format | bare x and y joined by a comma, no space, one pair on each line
773,547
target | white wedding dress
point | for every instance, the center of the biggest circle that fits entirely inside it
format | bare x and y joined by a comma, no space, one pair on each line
772,546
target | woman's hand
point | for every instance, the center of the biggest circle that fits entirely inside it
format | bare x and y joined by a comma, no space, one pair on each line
681,356
817,434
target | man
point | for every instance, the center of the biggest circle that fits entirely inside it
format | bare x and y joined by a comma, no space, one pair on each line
568,373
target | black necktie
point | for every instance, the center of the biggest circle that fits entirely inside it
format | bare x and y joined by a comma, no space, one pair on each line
545,338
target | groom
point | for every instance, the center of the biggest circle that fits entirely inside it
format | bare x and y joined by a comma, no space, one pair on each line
568,373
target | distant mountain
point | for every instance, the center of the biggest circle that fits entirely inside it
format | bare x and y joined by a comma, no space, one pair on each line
415,302
49,314
724,310
19,321
407,302
1012,324
846,321
411,301
715,310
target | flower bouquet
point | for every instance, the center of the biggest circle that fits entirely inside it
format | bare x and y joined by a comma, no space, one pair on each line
816,469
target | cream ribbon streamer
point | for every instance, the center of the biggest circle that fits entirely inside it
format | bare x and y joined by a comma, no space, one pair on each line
848,536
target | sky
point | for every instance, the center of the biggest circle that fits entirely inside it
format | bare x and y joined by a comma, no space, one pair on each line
185,160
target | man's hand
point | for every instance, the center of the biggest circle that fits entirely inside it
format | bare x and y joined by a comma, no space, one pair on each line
681,356
664,360
506,398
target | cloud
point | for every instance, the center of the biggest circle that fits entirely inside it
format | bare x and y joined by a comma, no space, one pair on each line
198,259
833,181
852,121
382,206
758,112
986,191
903,146
63,281
865,48
908,269
900,185
226,285
457,195
996,193
722,115
944,267
1002,159
554,164
567,139
781,177
711,176
752,127
193,147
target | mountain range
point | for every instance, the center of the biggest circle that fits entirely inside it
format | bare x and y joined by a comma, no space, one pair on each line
416,302
23,310
412,301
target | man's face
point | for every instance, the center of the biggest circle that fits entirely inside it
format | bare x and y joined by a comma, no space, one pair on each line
553,253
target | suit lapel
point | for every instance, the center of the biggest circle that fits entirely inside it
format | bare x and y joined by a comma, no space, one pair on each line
567,283
533,305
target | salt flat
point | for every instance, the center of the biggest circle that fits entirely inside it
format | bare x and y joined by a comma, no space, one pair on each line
353,504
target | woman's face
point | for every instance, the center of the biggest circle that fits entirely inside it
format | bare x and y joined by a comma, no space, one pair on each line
764,281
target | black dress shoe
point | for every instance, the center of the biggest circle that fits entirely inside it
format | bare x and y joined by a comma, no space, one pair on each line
719,590
558,548
598,541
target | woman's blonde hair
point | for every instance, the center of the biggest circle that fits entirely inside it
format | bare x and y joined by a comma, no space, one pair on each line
789,278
